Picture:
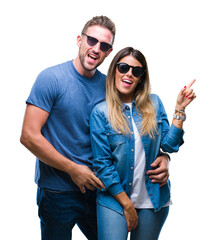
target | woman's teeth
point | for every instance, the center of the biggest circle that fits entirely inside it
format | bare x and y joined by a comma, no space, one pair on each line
127,81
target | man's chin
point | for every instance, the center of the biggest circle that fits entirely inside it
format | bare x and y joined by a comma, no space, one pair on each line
90,67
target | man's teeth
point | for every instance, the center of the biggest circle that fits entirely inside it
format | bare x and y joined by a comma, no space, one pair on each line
92,56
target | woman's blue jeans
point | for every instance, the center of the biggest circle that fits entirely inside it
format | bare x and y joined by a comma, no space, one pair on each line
112,225
60,211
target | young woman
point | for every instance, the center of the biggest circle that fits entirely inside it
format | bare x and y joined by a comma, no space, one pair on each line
127,133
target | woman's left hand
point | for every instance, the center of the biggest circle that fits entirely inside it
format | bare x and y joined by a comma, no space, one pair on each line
186,96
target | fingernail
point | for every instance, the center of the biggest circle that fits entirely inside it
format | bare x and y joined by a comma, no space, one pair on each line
184,86
186,95
189,98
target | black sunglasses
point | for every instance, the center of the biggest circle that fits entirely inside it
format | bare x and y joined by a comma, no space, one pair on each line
136,71
104,47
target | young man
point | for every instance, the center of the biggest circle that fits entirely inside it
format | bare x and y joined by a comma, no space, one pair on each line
56,131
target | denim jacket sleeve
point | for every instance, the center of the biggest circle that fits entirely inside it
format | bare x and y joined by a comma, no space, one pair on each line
102,155
171,137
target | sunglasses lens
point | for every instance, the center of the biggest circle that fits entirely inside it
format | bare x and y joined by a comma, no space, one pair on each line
123,67
105,47
91,41
137,71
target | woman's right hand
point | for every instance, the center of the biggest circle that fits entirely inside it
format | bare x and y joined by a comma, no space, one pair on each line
131,217
129,210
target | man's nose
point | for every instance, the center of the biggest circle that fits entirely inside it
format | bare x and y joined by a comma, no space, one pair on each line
96,47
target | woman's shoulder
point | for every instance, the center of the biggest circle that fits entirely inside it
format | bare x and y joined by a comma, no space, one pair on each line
101,109
155,98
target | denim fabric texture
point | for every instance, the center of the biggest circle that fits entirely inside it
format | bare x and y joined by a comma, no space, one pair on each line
113,153
112,225
60,211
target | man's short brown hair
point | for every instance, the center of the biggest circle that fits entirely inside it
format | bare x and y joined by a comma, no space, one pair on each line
101,21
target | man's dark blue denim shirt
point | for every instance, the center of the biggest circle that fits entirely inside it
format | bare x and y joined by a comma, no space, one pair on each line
113,153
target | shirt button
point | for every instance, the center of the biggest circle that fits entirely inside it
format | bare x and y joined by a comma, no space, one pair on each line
130,184
128,116
132,150
131,132
131,168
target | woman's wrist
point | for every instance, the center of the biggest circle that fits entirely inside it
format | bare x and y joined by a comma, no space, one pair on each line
179,116
124,200
179,107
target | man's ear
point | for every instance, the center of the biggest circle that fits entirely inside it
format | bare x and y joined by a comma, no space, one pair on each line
108,53
79,39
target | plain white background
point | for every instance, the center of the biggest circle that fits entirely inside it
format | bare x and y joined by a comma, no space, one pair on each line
178,40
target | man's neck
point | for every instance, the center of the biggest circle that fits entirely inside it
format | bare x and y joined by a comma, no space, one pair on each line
81,70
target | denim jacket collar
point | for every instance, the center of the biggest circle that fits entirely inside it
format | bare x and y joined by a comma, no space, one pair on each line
124,105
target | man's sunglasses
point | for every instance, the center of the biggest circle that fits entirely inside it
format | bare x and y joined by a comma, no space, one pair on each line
136,71
104,47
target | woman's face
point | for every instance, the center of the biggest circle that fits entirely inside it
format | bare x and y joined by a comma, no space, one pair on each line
126,83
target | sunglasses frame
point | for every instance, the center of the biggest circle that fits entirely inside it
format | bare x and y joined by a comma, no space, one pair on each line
133,69
95,40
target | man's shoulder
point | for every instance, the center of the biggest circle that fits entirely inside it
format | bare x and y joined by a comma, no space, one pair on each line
101,74
55,74
58,68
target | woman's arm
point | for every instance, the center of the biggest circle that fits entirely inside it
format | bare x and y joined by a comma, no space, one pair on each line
172,136
102,154
129,210
105,170
185,97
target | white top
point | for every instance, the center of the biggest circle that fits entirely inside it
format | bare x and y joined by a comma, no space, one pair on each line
139,196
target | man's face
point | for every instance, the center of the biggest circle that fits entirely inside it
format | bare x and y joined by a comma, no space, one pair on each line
92,56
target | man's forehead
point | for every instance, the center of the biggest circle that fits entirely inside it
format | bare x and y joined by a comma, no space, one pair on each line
101,33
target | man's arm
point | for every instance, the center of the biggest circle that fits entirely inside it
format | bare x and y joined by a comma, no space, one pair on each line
32,139
161,172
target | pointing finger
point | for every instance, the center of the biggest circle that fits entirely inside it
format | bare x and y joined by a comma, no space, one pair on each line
191,83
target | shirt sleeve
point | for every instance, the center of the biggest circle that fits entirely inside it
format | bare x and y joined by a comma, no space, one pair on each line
172,137
44,91
102,155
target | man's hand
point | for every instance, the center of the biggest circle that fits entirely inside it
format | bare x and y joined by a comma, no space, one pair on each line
83,177
161,172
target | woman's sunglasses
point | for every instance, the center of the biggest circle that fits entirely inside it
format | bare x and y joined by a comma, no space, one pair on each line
104,47
136,71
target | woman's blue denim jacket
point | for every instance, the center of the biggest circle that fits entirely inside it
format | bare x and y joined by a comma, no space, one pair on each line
113,153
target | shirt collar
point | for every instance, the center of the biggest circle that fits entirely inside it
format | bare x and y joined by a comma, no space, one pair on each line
124,106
